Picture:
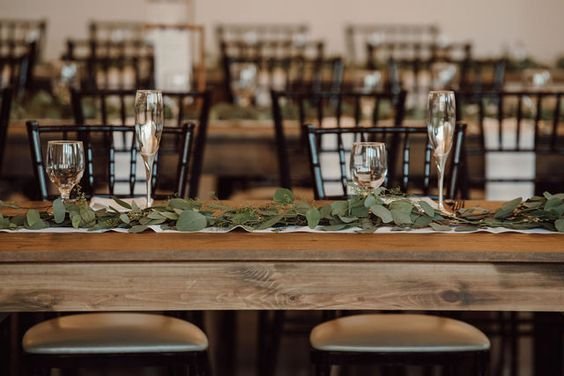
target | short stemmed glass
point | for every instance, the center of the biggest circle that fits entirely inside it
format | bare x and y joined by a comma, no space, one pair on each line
65,165
441,117
368,165
149,123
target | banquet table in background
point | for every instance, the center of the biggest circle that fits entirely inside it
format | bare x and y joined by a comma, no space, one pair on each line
292,271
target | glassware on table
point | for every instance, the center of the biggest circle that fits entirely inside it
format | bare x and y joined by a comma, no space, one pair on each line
443,75
65,165
368,165
149,123
441,119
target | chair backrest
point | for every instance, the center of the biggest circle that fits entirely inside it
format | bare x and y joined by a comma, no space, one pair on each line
333,108
117,107
5,107
517,130
256,76
20,31
116,31
258,32
359,35
481,75
17,61
409,158
102,167
127,64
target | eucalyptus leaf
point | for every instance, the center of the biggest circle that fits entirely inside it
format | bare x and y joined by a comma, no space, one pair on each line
283,196
507,209
269,222
32,217
178,203
76,220
87,214
59,211
313,216
382,212
122,203
339,208
427,208
191,221
138,228
439,227
559,224
325,211
466,228
124,218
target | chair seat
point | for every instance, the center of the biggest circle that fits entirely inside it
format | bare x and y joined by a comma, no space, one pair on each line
105,333
391,333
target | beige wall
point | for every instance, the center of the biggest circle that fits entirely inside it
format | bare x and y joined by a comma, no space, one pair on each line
490,24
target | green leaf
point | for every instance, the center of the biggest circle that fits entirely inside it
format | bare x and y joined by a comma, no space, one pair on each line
124,218
507,209
155,215
559,224
269,222
325,211
170,215
313,217
439,227
88,215
466,228
178,203
346,219
283,196
382,212
422,221
137,228
134,206
339,208
427,208
401,212
370,201
122,203
190,220
32,217
59,211
75,220
359,212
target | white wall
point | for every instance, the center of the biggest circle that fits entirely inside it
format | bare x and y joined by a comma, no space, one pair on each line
490,24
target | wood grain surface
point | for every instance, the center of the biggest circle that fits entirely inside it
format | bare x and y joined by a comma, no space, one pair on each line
238,270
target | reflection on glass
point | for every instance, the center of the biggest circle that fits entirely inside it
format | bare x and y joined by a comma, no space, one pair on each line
65,165
441,118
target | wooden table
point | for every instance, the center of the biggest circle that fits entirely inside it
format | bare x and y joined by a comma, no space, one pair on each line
242,271
299,271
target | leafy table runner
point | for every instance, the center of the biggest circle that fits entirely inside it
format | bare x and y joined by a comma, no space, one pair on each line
379,212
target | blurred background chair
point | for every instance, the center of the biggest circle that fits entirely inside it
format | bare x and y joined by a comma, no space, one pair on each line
519,144
5,108
357,36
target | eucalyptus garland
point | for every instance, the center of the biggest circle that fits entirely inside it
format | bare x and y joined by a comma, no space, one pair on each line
364,212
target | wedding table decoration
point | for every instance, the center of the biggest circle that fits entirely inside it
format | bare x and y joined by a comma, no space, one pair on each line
362,213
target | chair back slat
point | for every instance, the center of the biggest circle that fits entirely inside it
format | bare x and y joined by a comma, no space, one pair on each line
5,109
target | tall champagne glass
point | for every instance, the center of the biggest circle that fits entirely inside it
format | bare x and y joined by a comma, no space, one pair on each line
149,123
441,118
369,165
65,165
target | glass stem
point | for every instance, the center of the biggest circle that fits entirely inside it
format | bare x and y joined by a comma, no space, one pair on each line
441,161
148,161
65,194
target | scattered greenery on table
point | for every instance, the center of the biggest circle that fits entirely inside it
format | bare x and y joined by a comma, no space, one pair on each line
367,212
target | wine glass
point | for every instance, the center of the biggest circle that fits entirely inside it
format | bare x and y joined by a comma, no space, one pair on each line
368,165
149,123
65,165
441,117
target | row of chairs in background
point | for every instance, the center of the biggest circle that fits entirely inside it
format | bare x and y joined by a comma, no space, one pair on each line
501,122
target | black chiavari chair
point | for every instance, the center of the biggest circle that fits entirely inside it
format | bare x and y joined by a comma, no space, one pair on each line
100,158
116,107
413,170
519,122
258,32
344,109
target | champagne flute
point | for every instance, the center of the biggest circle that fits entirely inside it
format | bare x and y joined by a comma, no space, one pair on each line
368,165
441,117
149,123
65,165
